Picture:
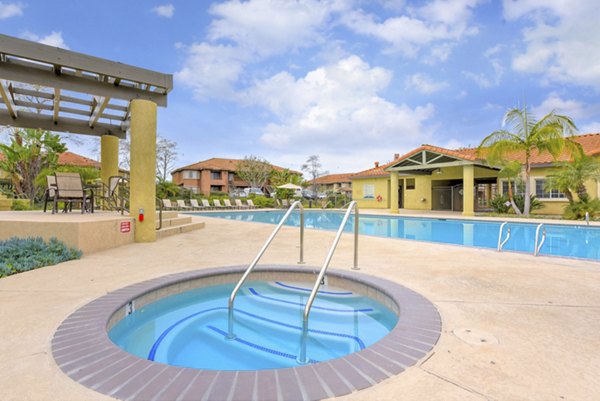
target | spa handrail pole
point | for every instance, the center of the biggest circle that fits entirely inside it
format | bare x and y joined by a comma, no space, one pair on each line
353,205
296,204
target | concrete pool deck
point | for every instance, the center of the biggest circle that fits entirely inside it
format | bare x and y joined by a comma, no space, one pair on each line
539,317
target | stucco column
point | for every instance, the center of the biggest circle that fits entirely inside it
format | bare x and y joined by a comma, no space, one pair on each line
394,192
109,157
143,168
468,184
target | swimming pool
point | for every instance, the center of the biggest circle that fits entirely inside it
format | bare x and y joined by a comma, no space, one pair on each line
573,241
190,329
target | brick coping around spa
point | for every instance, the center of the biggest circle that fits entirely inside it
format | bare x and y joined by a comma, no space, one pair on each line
83,351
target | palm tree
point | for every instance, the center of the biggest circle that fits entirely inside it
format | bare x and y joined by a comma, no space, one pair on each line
571,177
528,136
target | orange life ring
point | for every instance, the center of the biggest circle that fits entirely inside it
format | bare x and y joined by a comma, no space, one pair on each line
379,198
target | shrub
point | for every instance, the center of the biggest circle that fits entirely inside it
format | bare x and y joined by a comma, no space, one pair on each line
263,201
499,203
22,254
20,204
577,210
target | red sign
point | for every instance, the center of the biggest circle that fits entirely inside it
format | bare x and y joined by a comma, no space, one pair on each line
125,226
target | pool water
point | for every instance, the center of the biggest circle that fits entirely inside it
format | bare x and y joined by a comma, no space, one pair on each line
573,241
189,329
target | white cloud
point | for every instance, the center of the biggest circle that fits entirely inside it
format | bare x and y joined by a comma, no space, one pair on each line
8,10
166,10
590,128
423,84
54,39
440,23
561,42
245,33
337,107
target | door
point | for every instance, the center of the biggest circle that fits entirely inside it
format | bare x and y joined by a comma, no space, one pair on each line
400,198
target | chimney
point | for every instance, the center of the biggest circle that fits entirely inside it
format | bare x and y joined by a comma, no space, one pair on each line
376,164
396,156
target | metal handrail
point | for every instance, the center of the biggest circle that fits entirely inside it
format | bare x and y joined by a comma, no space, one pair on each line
230,334
161,206
537,247
353,205
501,244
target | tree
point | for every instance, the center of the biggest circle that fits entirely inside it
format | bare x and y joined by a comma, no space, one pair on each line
254,170
510,171
571,176
313,168
549,134
166,156
29,152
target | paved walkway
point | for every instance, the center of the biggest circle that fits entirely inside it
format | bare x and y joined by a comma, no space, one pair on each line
539,317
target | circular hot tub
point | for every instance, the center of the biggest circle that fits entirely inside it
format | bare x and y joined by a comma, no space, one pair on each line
167,337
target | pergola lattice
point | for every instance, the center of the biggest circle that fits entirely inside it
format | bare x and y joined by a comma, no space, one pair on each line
60,90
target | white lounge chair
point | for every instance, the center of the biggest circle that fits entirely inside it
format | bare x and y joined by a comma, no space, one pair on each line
194,204
217,204
181,204
228,204
240,205
167,204
205,204
251,204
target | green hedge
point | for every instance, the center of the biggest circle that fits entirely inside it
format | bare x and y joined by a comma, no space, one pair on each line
22,254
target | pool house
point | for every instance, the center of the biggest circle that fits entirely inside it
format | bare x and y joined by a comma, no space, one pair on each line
435,178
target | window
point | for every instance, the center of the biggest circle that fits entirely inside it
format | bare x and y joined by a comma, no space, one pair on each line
215,188
542,193
518,187
368,191
215,175
231,176
191,174
410,183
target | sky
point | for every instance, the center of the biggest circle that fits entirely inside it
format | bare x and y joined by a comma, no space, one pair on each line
352,81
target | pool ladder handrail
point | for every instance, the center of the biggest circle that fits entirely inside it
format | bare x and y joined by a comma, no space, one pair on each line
320,278
296,204
501,244
538,244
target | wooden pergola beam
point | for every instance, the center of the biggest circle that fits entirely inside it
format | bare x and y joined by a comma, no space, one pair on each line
8,100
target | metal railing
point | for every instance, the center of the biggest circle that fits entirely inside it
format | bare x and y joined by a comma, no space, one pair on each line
161,206
500,242
538,244
302,359
296,204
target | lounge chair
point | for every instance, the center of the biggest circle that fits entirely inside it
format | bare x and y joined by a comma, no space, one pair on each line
109,194
195,206
285,204
167,204
228,204
50,190
217,204
205,204
251,204
240,205
69,189
182,206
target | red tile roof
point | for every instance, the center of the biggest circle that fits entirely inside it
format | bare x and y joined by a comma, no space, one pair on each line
72,159
333,178
222,165
589,142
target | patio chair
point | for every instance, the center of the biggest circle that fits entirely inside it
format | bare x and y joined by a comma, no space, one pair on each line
251,204
182,206
228,204
240,205
109,194
205,204
195,206
217,204
285,204
50,190
69,189
167,205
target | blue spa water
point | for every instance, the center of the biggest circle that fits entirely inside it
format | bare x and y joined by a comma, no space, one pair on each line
573,241
189,329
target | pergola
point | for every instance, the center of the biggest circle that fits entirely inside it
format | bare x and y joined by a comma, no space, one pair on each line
60,90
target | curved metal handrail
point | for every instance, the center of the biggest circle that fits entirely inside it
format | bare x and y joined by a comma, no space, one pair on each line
353,205
537,247
230,334
501,244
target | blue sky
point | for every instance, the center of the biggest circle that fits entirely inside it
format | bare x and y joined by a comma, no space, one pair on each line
352,81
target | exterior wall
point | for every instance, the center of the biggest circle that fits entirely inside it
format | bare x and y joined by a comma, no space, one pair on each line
382,188
420,197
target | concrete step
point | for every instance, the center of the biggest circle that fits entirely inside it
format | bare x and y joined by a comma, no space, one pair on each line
176,221
184,228
168,214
